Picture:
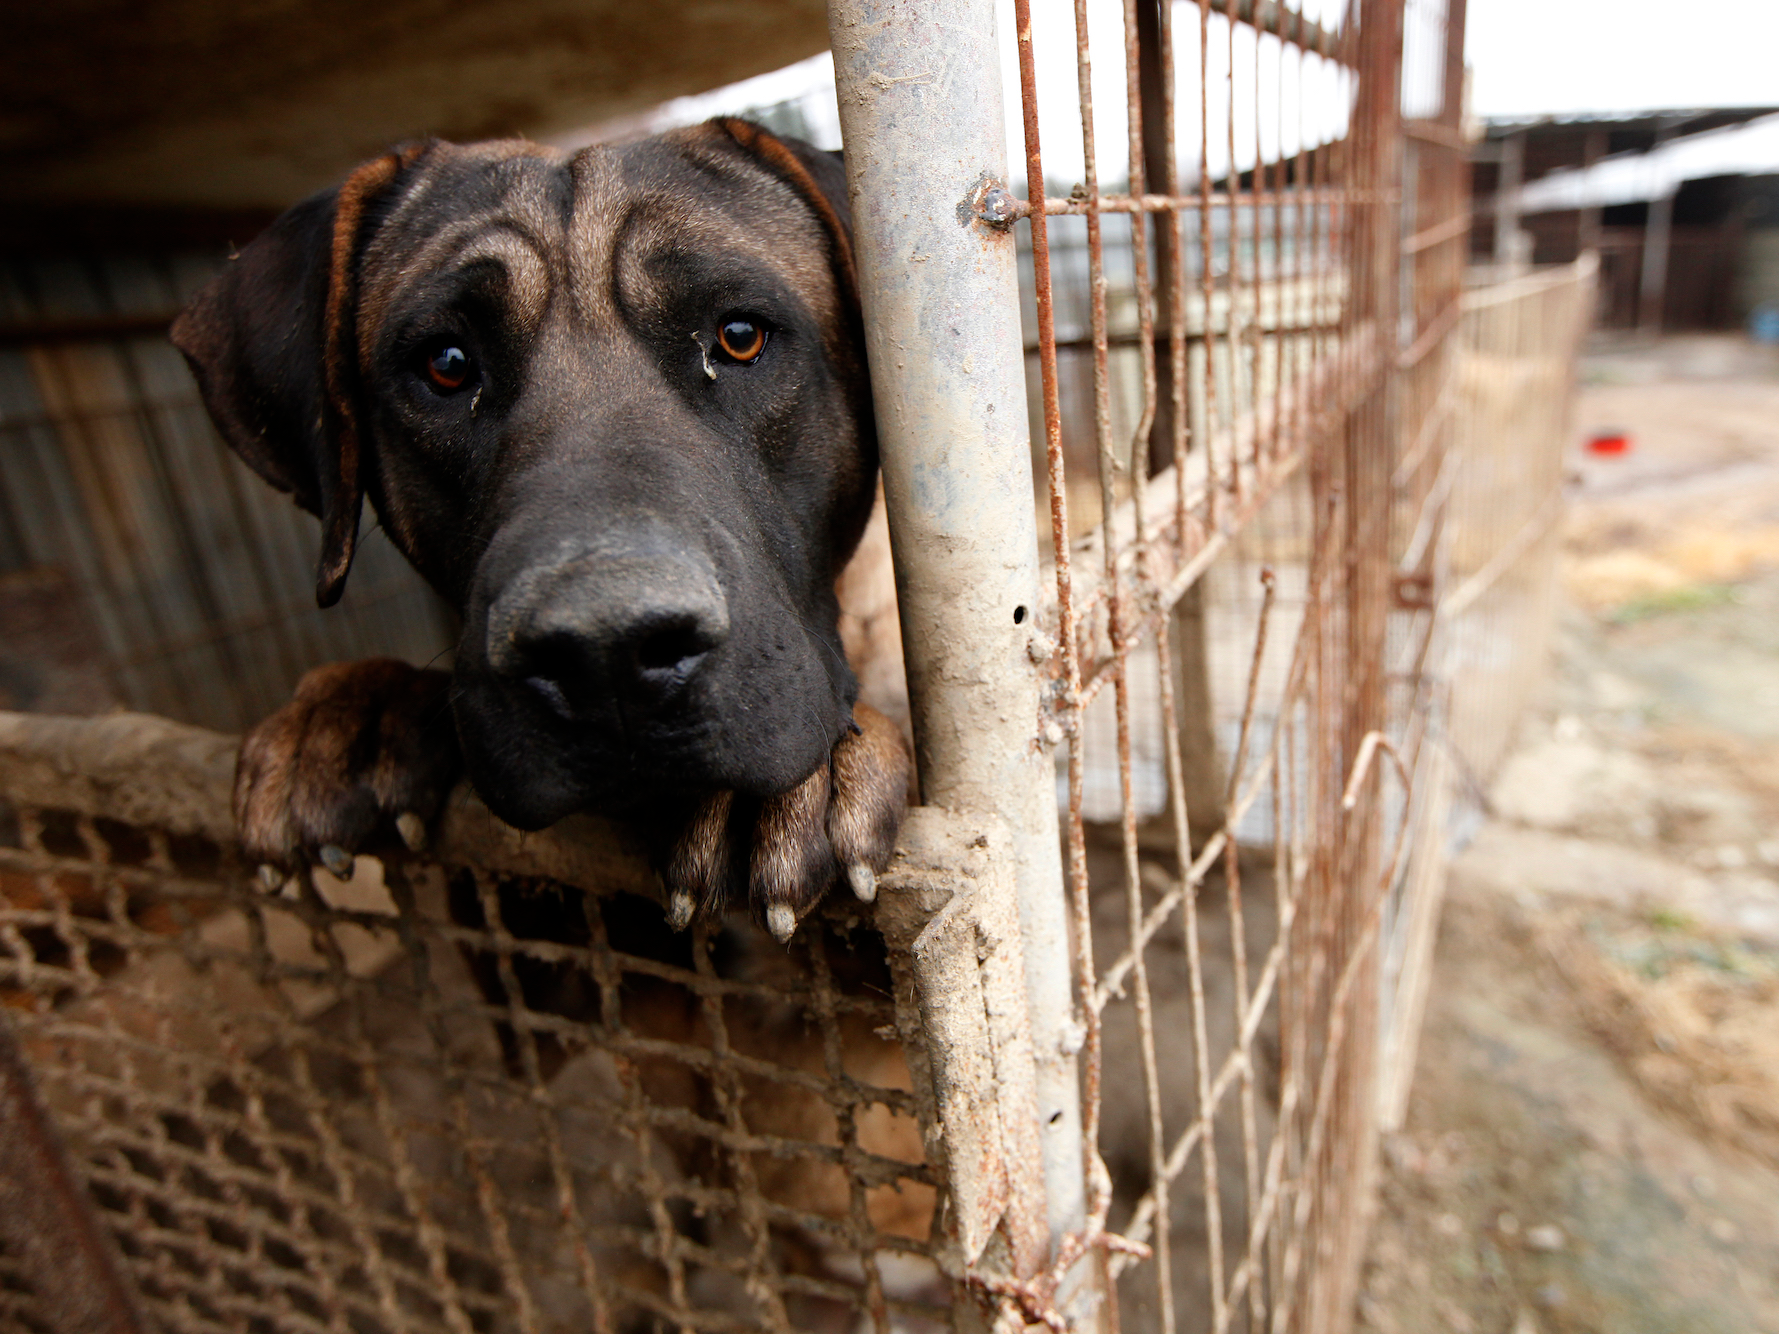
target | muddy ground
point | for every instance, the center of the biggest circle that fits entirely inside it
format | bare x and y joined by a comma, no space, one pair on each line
1592,1145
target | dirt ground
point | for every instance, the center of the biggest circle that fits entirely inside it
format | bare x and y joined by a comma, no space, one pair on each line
1592,1145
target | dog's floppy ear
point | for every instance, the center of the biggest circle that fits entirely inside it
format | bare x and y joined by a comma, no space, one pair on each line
820,178
273,343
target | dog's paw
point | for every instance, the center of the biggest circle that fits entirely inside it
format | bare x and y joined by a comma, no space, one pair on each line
840,823
361,748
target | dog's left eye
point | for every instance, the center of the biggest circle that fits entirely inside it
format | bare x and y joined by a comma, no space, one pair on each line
742,339
448,367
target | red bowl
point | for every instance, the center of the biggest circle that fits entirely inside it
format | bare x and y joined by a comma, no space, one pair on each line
1609,442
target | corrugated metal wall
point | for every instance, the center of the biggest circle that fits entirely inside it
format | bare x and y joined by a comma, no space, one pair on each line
197,577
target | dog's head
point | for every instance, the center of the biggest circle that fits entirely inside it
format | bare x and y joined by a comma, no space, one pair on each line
613,406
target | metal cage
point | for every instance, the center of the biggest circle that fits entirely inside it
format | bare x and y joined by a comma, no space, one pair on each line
1113,1046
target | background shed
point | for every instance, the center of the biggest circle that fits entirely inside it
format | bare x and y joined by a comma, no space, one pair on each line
1682,205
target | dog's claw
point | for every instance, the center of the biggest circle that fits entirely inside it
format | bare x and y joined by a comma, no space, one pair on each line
270,877
781,921
376,729
839,823
863,881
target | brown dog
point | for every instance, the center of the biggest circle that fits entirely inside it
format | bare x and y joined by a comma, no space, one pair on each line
613,406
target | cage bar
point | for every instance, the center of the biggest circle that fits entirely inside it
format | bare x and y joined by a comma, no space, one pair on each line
920,101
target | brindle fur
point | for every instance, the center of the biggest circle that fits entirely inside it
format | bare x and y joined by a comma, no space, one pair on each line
597,474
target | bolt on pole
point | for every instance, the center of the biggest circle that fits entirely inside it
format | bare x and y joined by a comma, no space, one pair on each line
926,162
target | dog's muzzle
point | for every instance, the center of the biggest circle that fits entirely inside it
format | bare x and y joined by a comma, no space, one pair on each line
595,632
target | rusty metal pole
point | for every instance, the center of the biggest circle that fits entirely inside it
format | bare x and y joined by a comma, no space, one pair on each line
1366,466
1203,767
926,162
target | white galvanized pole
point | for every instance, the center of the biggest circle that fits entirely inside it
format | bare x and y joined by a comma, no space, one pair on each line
1652,282
926,158
1507,197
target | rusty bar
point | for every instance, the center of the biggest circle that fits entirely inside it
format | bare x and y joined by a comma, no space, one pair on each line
1244,1003
1207,412
1437,133
1449,230
1291,25
1141,462
1233,326
1071,206
1189,926
1186,340
46,1219
1098,1193
1190,683
1067,661
1275,171
1366,464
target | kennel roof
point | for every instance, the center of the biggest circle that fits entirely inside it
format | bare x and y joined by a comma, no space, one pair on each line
186,105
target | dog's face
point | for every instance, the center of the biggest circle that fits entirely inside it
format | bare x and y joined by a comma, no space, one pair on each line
613,406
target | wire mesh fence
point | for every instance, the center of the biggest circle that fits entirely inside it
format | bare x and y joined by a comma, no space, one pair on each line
447,1093
1293,317
1519,344
1299,490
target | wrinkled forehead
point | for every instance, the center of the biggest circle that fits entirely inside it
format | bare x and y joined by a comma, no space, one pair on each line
601,223
692,198
464,205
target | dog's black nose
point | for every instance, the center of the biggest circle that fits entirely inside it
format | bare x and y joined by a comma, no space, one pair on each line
594,628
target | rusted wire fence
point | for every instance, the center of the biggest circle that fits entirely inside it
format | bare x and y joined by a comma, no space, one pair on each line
1258,603
445,1094
1501,484
1520,341
1299,490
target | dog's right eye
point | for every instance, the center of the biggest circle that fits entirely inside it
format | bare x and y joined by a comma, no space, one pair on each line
448,367
742,339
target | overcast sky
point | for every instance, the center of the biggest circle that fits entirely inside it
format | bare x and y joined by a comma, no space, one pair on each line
1529,57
